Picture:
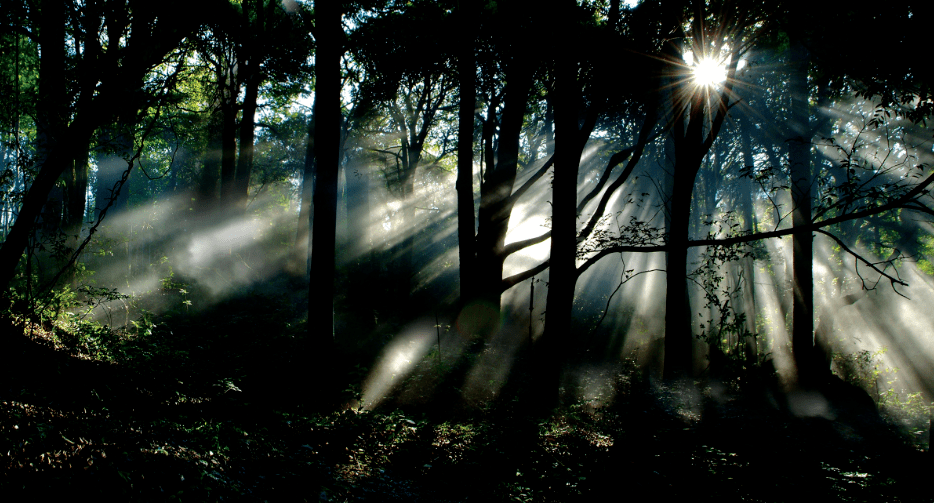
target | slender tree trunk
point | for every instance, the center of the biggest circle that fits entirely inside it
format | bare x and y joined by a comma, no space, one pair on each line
409,228
76,184
465,130
228,148
247,134
747,213
301,252
211,168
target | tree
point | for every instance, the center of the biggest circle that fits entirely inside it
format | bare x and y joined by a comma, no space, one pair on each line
105,80
329,37
466,73
697,114
407,86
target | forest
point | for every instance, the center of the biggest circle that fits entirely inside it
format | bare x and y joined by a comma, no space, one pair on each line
721,293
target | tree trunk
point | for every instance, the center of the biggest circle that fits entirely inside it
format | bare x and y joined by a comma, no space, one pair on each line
465,130
747,213
679,338
211,168
247,133
327,158
105,92
228,143
799,159
563,261
495,203
301,252
76,189
51,123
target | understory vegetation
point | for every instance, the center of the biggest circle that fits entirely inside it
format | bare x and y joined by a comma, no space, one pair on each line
208,405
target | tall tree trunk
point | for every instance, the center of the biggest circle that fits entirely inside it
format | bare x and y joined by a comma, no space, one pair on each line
51,104
465,130
211,168
301,252
679,339
228,109
747,213
76,188
412,156
563,261
688,109
799,159
327,154
247,134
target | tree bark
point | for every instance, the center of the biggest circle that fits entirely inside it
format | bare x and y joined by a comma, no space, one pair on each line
465,130
799,160
327,159
247,137
495,202
747,212
301,252
563,261
211,168
52,120
228,141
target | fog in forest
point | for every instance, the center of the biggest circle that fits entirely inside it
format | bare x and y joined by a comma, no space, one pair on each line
188,230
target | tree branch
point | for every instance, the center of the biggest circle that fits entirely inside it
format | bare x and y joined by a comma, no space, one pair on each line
525,243
650,121
618,249
893,280
528,183
515,279
814,226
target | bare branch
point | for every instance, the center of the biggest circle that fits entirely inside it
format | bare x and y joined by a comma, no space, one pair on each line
618,249
515,279
893,280
525,243
650,121
814,226
528,183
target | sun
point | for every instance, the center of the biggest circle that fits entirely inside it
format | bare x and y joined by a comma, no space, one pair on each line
708,72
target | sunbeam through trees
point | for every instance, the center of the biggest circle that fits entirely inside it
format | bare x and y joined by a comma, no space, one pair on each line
438,250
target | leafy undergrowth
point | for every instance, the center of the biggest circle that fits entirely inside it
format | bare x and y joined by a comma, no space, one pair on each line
166,419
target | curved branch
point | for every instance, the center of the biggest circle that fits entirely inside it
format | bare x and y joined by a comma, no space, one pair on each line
624,278
528,183
525,243
893,280
618,249
814,226
651,119
617,159
515,279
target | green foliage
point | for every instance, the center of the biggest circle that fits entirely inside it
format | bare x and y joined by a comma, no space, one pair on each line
864,369
726,330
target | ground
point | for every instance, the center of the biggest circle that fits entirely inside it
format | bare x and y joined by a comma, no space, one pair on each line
165,418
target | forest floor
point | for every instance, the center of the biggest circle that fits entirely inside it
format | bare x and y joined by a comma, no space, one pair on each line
167,416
